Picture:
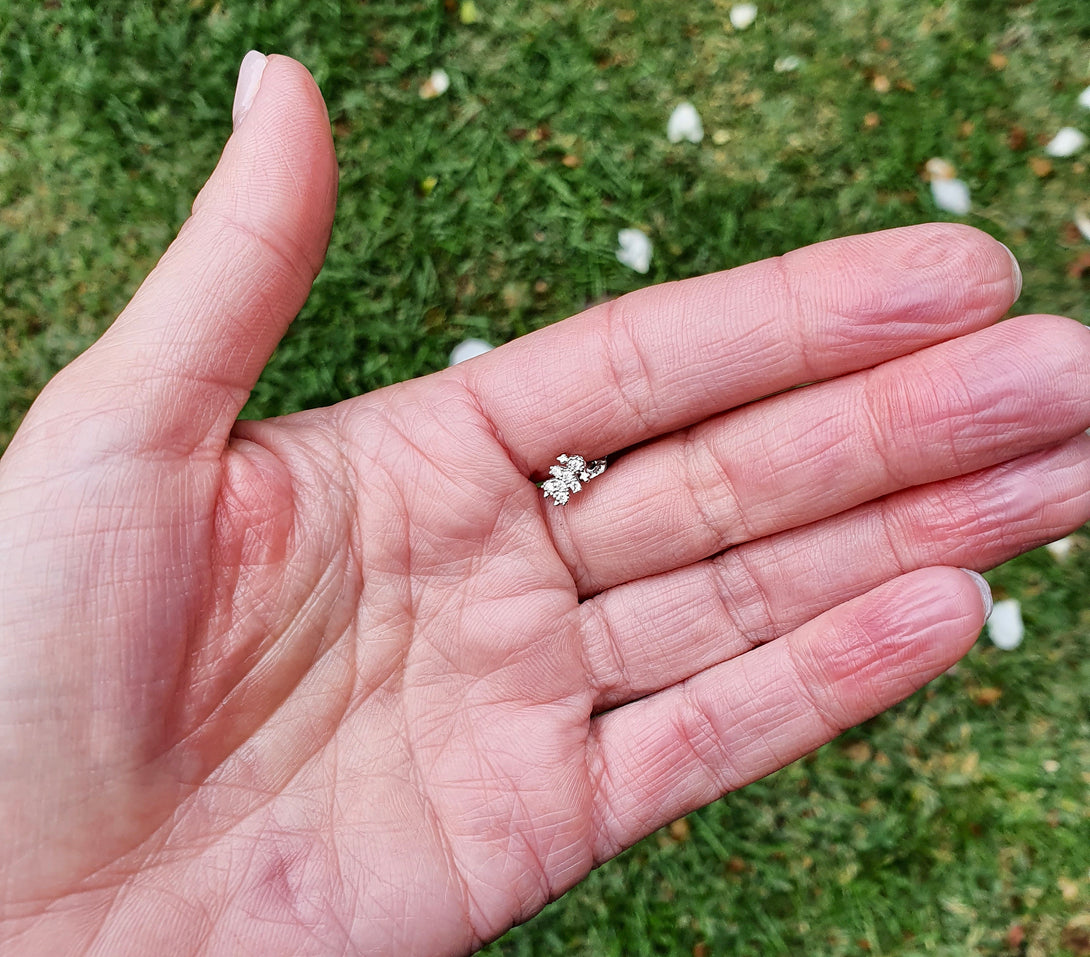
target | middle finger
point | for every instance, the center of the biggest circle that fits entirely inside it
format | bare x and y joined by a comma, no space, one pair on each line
801,456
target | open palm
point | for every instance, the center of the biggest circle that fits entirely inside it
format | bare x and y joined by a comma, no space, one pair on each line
345,682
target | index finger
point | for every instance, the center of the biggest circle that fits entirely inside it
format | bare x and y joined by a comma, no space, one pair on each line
665,357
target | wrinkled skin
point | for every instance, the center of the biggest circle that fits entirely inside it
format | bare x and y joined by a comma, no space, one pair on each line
343,683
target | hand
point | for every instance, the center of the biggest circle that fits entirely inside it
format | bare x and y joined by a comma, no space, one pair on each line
344,682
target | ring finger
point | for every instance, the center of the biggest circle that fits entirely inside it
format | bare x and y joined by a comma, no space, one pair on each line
811,453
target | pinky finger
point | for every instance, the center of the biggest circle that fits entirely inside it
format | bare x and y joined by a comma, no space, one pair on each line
659,758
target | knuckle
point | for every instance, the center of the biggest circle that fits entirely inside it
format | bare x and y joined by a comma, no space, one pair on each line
712,491
629,370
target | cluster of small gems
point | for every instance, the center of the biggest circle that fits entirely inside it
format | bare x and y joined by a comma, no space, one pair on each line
569,477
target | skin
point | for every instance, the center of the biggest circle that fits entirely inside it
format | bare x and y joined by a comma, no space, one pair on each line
344,683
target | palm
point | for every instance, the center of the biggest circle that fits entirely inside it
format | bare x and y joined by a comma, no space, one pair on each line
348,620
439,676
344,682
441,672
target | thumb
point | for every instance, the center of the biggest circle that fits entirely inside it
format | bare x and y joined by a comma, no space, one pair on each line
174,370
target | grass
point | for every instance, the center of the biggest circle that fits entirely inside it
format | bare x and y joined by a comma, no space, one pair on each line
935,829
943,827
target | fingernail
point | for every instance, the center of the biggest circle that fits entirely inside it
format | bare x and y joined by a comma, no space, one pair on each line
249,81
985,589
1017,274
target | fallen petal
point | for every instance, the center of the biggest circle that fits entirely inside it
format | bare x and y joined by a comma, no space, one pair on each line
1082,223
787,64
685,124
951,196
1066,143
1061,549
742,15
1084,99
1005,627
468,349
435,85
634,249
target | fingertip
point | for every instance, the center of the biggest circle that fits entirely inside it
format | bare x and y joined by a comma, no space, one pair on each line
910,629
996,264
952,593
1052,353
279,167
916,284
959,601
988,266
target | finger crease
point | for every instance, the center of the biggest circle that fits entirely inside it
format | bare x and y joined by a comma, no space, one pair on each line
697,727
625,374
611,677
764,630
806,691
699,489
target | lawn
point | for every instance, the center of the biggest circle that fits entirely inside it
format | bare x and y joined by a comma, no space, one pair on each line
957,824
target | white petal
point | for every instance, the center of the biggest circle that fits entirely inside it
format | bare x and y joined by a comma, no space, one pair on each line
634,249
1084,98
1082,222
1066,143
742,15
1061,549
787,64
468,349
685,124
435,85
1005,626
951,196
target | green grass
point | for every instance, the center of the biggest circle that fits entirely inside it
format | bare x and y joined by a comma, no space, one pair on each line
934,829
931,830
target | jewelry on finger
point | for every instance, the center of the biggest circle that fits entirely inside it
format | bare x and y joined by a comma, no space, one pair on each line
570,476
